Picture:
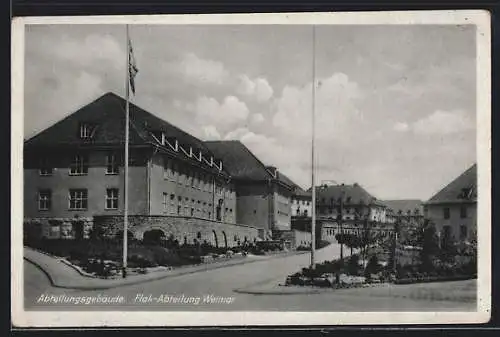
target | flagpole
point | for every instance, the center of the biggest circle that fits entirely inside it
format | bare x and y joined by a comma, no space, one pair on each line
125,210
313,210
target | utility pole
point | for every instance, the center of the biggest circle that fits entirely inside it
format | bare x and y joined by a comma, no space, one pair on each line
340,219
313,215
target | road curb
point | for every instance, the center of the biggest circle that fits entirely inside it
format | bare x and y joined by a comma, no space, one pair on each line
51,280
121,283
270,292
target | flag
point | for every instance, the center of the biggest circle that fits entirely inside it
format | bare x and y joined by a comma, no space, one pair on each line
132,66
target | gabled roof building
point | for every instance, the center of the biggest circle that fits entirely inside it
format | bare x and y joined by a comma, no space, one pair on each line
74,169
453,210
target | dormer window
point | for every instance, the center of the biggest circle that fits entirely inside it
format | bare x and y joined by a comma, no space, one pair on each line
86,130
160,137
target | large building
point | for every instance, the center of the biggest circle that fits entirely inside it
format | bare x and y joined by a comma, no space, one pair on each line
75,170
263,193
453,210
356,208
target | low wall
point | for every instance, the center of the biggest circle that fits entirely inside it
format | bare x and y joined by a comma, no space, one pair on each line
184,229
56,228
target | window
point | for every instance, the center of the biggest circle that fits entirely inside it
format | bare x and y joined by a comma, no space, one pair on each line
463,232
111,164
79,165
446,212
78,199
182,175
463,211
179,209
165,202
45,167
44,200
86,131
194,181
111,198
172,203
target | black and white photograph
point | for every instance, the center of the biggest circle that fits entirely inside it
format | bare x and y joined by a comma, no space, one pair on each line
241,169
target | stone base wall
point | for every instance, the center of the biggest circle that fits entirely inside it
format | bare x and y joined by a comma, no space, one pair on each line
56,228
183,229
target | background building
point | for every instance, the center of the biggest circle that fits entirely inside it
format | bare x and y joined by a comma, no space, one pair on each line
408,213
453,210
351,204
74,170
301,203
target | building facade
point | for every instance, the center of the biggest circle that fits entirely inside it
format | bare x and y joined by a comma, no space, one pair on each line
75,170
263,195
301,203
349,209
453,210
408,214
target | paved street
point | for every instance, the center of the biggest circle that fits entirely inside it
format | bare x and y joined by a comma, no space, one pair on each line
221,283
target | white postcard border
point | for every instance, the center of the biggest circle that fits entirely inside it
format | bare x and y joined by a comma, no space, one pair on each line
481,19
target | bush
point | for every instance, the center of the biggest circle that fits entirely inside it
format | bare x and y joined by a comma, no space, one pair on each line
353,265
372,267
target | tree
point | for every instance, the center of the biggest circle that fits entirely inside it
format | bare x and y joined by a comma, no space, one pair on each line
373,266
430,246
353,265
366,239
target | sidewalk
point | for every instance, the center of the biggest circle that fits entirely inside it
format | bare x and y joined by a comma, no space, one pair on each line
456,291
62,275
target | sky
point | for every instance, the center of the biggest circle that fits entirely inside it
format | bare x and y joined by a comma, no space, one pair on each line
395,105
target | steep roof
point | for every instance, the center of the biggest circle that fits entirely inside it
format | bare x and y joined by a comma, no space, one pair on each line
404,206
463,188
238,160
297,190
351,194
107,113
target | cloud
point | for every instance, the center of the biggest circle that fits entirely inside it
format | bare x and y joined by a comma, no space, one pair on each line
401,127
200,70
443,122
335,109
66,94
259,88
211,132
92,50
257,118
208,111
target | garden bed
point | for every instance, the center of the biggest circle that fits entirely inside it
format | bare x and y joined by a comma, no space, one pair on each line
100,258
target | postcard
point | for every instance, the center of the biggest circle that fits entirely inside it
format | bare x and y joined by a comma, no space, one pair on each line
251,169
